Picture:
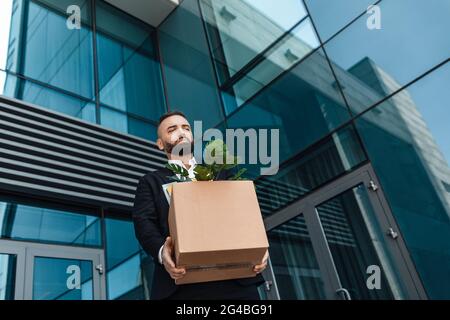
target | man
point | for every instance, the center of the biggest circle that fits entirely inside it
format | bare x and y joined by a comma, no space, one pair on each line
150,215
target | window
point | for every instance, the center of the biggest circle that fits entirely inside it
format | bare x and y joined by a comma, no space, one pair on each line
129,71
32,223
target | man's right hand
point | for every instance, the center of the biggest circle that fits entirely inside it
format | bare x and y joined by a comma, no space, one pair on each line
169,264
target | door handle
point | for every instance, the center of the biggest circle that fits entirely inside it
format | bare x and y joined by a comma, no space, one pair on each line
392,233
344,293
268,285
99,268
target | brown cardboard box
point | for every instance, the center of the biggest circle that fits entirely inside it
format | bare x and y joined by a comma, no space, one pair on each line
217,229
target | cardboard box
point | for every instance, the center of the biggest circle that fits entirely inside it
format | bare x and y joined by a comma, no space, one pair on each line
217,229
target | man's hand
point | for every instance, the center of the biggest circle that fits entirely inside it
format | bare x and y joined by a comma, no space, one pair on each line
260,267
169,264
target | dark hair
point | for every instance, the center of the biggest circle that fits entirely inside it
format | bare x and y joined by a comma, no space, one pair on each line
170,114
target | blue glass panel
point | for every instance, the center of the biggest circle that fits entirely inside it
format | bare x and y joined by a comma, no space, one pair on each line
129,72
290,50
407,138
239,30
338,154
47,50
304,104
120,241
125,123
18,88
331,16
127,265
62,279
23,222
371,64
187,65
125,278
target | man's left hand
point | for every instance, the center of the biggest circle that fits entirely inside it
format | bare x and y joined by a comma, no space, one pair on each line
260,267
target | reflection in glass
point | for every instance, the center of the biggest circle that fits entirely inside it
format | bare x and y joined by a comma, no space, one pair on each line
62,279
407,139
51,65
25,90
340,153
21,222
129,72
42,47
285,54
7,276
371,64
125,280
304,104
188,69
124,122
129,269
241,29
357,242
330,16
294,262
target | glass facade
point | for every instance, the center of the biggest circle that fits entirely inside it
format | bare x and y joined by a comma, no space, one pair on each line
237,44
385,60
343,95
188,70
110,76
129,270
319,164
130,84
30,223
342,72
409,127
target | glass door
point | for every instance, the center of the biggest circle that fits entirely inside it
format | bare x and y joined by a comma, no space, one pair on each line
12,263
358,247
294,263
7,276
341,242
33,271
64,273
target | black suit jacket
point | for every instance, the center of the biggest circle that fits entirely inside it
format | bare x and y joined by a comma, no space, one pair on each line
150,215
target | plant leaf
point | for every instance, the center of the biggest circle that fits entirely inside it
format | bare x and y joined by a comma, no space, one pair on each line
203,173
177,169
238,175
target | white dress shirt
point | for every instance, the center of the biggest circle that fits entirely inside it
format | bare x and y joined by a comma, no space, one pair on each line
192,164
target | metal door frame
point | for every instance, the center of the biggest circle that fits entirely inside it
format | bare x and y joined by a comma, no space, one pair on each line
403,265
7,248
270,285
27,251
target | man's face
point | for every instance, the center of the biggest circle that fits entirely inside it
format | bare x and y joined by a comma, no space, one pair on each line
175,136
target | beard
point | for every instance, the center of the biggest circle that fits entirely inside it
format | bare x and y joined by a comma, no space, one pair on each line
179,149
